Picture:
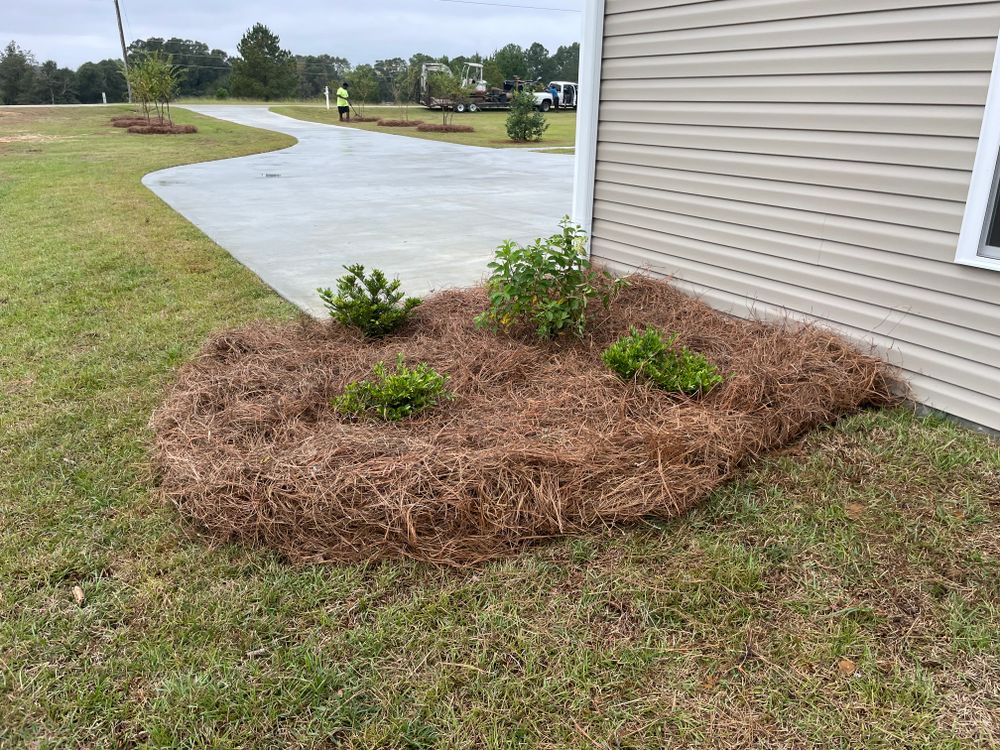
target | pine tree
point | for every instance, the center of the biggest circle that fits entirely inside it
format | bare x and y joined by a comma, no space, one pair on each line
263,70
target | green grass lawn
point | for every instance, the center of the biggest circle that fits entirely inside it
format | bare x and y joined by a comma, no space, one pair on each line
490,127
843,594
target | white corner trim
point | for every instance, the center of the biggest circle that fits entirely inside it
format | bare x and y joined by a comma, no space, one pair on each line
588,108
981,185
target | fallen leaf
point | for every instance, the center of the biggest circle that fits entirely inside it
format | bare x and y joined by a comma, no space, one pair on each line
710,683
846,667
78,595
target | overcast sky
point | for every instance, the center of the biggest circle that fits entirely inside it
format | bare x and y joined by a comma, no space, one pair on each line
74,31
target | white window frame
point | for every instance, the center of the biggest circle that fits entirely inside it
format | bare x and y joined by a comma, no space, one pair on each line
984,175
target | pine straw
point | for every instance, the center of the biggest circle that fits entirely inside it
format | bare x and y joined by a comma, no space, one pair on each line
365,119
127,121
540,439
163,129
432,128
399,123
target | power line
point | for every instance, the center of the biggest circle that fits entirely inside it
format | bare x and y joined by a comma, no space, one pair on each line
508,5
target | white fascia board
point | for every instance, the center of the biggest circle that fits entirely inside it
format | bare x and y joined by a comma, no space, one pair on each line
588,108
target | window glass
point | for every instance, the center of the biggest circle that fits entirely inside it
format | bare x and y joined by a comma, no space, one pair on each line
991,232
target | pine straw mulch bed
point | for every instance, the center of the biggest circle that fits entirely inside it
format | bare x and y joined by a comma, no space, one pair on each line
399,123
163,129
432,128
540,439
152,126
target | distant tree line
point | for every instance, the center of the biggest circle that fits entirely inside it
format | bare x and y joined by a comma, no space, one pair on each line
262,70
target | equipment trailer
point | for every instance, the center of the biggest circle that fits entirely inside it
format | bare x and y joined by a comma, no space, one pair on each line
480,96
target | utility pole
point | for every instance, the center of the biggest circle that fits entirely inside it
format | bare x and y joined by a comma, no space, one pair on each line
121,36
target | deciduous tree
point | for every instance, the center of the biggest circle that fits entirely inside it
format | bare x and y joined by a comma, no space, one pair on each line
364,86
202,69
17,75
53,85
93,79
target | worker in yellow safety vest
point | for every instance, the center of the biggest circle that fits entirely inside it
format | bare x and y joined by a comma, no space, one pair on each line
344,102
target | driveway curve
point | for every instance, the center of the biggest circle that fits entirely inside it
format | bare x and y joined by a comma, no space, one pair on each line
428,212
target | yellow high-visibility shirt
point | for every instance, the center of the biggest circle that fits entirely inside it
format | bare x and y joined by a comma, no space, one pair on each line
342,97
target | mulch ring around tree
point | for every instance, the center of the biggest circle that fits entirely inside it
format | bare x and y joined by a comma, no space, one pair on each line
399,123
429,127
163,129
540,439
152,126
365,119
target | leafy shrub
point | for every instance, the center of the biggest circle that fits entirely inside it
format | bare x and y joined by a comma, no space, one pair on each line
371,303
547,284
525,123
222,93
647,356
393,395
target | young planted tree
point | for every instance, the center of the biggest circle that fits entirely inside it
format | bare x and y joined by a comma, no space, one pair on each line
401,86
364,87
447,87
525,122
155,81
165,83
140,80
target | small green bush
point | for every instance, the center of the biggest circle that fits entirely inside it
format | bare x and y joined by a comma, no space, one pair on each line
647,356
525,123
547,284
371,303
393,395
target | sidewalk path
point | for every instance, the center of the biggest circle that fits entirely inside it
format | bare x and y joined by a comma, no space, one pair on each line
428,212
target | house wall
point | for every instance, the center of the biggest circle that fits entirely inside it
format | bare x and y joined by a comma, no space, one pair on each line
808,157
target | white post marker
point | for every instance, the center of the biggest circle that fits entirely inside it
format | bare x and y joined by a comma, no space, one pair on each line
326,93
104,97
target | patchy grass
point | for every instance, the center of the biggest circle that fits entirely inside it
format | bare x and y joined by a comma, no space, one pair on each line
491,127
842,594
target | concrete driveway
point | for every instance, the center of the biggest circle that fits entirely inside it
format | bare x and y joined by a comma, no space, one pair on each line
428,212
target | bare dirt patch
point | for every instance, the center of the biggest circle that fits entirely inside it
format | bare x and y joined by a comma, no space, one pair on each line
540,439
29,138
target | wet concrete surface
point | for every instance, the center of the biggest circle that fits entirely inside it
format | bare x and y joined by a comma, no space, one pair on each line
430,213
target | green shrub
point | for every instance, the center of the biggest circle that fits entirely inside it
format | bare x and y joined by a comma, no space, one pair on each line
525,123
547,284
393,395
370,303
646,356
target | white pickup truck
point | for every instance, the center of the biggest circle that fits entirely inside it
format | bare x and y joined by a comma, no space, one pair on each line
567,96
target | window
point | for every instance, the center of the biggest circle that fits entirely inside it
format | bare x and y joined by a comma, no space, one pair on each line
979,241
990,245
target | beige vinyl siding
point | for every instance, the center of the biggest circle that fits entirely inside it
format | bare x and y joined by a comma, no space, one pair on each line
809,158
